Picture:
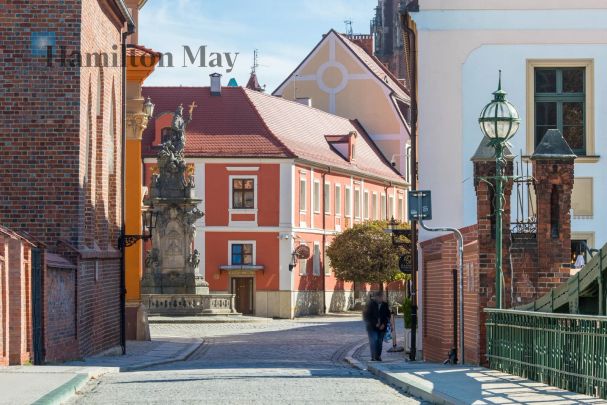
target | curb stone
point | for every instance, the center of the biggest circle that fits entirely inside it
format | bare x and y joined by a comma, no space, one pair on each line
64,391
415,388
405,384
184,355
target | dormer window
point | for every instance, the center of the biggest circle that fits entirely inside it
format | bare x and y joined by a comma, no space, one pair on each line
344,145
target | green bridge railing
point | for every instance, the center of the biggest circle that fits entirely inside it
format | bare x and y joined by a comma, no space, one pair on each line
562,350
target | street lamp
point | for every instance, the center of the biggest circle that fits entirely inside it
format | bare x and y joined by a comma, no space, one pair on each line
148,107
499,121
150,217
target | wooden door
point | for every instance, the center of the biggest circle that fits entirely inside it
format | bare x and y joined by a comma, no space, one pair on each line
242,287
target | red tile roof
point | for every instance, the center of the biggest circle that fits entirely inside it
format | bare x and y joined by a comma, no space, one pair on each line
222,126
249,124
140,50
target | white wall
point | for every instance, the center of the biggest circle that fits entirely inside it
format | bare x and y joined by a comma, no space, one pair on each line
459,55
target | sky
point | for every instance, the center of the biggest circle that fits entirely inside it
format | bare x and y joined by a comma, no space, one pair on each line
283,31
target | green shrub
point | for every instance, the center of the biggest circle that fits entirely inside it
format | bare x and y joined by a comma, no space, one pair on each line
407,312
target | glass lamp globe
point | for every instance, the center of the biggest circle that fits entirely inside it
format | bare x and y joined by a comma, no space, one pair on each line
499,120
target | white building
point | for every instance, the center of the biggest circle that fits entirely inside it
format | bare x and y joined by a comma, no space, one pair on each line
553,57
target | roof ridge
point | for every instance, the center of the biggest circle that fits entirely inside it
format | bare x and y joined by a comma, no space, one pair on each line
246,91
350,43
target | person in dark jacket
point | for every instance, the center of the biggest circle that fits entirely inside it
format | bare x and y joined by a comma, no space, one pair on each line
376,316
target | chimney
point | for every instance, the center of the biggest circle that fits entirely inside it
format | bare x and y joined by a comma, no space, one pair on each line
305,101
215,84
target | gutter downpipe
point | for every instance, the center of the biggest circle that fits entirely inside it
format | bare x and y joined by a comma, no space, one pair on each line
130,30
411,38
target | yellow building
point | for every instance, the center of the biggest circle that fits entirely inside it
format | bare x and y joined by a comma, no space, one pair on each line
140,64
343,77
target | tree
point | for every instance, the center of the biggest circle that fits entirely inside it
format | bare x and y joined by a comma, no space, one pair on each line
364,253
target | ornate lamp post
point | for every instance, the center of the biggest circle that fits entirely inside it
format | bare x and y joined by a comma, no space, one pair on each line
499,121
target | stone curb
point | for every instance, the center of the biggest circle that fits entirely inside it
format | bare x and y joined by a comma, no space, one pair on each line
199,321
419,389
353,361
65,391
182,356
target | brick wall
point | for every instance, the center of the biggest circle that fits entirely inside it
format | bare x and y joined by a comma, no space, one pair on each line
60,320
15,298
439,260
60,154
532,263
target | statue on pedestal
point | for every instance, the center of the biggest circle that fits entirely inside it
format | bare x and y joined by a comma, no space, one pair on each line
171,267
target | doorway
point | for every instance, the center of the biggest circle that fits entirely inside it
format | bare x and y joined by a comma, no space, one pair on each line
242,287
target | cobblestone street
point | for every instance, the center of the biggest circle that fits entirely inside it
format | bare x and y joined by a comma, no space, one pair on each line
269,362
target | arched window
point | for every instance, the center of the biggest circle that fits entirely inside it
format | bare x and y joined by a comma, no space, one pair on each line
165,134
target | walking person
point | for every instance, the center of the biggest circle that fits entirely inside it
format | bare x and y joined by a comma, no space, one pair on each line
376,316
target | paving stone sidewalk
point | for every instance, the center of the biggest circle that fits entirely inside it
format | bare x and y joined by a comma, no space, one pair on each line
57,383
446,384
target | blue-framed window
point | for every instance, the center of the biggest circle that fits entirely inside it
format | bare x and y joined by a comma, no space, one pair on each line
560,103
242,253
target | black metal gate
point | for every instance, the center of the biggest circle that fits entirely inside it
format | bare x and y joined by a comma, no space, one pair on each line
37,307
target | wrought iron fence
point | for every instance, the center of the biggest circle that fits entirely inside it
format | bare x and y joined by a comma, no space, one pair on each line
562,350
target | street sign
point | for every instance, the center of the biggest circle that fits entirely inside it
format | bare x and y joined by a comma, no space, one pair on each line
420,205
404,263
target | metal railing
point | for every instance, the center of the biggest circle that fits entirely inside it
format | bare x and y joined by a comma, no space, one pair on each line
562,350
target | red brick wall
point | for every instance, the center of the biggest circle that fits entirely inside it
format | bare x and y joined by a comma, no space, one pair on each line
15,300
439,257
51,187
60,319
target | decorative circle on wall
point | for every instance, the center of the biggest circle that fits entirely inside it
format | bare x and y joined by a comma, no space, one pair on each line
332,88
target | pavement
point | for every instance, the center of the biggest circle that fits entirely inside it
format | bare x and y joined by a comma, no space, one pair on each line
455,384
55,384
271,362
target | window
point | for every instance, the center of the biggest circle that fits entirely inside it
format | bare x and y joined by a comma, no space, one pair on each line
401,209
327,261
391,206
316,260
243,193
374,205
242,253
327,198
348,202
338,200
165,134
302,194
356,203
316,196
560,104
382,208
366,204
303,266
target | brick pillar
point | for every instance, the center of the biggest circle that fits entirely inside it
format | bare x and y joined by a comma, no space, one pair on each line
484,166
553,167
4,324
17,303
